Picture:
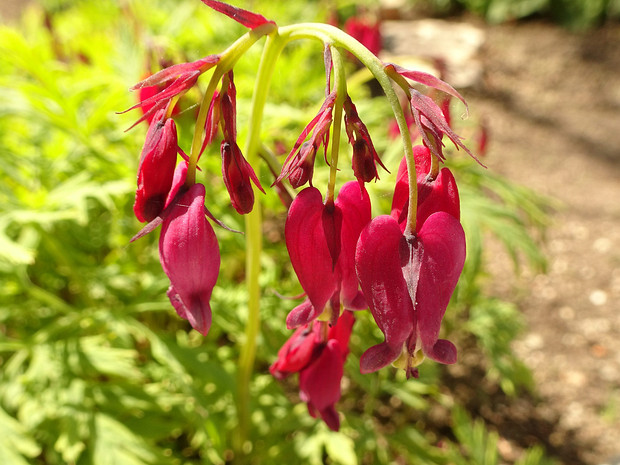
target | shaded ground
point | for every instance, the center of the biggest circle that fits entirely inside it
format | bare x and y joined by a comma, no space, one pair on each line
552,100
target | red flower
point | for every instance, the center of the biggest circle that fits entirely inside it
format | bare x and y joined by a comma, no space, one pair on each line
190,256
367,33
299,164
170,82
365,156
438,194
321,240
156,168
428,116
237,172
318,355
408,282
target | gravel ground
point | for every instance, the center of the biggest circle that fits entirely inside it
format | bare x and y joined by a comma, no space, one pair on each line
552,100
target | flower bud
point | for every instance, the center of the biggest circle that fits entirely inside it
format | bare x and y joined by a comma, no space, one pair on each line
156,168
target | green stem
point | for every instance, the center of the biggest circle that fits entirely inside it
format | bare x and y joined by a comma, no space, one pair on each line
339,38
254,235
340,84
228,58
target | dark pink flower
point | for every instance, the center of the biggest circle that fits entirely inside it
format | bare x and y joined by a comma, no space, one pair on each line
428,116
366,32
237,172
190,256
321,240
170,82
299,164
318,354
438,194
408,282
145,94
156,168
364,158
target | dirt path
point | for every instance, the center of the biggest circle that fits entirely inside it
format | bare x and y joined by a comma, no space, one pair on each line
552,100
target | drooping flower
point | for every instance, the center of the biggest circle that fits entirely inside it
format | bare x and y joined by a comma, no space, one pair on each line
318,354
156,168
428,116
434,194
321,240
408,282
299,164
364,158
237,172
170,82
190,256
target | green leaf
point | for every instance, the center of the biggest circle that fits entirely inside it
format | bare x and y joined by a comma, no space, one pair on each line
15,443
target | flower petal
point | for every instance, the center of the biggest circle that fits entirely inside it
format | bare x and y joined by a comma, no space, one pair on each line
243,17
319,384
308,249
444,256
189,254
379,269
354,204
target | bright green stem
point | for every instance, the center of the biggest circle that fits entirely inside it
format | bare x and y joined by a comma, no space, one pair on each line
253,235
340,84
228,58
337,37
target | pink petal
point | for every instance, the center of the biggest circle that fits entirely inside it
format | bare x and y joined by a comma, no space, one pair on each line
428,80
378,265
444,256
354,204
308,249
189,254
319,383
243,17
296,353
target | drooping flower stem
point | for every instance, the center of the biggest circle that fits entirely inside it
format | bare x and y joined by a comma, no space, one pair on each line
228,58
337,37
340,84
253,235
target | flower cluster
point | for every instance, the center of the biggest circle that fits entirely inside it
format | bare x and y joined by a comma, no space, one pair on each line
403,267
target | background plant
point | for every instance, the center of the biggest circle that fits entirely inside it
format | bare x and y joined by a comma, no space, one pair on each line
95,366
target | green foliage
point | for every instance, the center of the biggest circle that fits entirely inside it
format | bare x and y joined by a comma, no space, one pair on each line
575,14
95,366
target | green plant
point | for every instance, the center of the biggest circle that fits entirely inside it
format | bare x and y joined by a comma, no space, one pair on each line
95,366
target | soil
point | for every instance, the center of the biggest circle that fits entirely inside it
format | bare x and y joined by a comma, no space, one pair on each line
551,99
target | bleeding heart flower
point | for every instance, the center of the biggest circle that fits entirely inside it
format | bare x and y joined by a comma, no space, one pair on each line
190,256
156,168
408,282
321,240
317,352
439,194
365,156
299,164
237,172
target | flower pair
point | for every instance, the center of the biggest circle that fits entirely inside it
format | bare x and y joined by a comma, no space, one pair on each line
321,240
317,352
407,278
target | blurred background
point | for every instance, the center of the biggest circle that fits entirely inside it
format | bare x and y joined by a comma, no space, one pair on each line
95,366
